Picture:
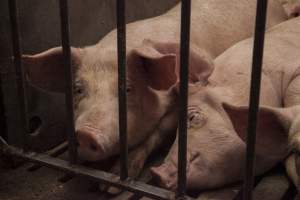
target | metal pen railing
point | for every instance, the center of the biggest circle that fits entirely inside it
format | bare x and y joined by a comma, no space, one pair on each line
121,42
183,100
19,139
122,181
257,58
64,20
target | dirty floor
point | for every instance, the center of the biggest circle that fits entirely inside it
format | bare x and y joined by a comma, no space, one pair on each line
45,184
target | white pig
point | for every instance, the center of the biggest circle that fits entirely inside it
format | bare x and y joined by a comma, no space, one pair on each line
218,113
215,25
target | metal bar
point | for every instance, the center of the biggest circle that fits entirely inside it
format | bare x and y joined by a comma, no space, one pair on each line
257,59
56,151
64,19
184,71
20,75
121,36
3,133
136,187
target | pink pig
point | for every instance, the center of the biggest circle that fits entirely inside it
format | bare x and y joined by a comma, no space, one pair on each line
216,25
218,114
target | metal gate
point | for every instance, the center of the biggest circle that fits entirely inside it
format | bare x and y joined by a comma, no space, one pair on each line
123,181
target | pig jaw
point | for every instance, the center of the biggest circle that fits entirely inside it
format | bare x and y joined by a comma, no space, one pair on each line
200,173
166,174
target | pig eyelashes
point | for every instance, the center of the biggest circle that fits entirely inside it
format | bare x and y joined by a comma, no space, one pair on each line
78,88
196,118
79,92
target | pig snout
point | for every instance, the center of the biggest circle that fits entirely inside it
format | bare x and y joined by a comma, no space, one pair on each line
91,143
165,175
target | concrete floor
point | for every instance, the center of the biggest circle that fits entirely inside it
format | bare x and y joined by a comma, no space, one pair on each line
45,184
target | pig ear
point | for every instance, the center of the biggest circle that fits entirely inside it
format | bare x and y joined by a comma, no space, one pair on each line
272,127
201,64
158,69
160,61
46,70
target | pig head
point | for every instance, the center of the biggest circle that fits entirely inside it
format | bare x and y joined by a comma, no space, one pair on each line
151,74
217,141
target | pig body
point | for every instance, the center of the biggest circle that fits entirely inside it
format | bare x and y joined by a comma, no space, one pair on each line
218,113
216,25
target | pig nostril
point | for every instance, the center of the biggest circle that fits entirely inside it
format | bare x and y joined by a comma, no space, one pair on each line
295,14
93,147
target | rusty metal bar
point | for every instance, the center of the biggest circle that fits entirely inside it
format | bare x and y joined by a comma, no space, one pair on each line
136,187
121,36
56,151
64,20
184,71
257,59
19,140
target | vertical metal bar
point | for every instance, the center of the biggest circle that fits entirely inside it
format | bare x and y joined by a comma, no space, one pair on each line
184,63
2,115
20,73
64,17
121,36
257,60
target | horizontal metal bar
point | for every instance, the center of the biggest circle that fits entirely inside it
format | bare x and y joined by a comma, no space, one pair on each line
121,44
19,139
184,71
56,151
64,18
94,174
257,59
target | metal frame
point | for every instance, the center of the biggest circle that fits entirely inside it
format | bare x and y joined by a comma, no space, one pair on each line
121,36
20,75
257,58
123,181
64,20
2,115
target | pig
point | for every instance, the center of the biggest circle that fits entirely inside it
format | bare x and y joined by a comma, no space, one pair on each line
218,114
216,25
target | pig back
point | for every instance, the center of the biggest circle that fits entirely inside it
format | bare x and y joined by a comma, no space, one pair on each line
215,25
281,63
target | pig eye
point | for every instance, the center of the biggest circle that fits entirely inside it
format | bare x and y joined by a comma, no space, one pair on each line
129,89
195,117
78,88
